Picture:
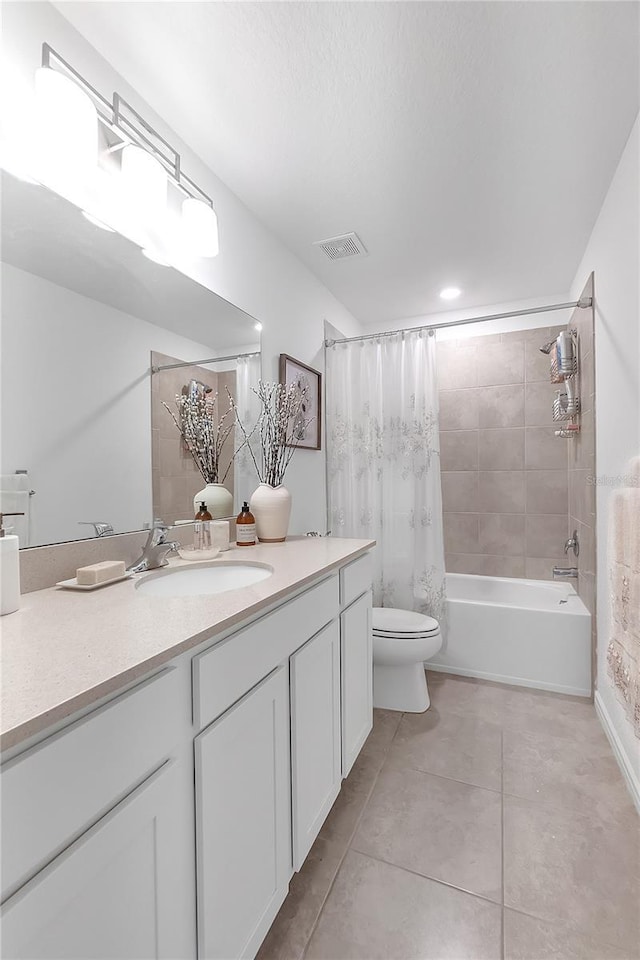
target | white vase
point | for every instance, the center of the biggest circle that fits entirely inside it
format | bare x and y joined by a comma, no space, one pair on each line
218,499
271,506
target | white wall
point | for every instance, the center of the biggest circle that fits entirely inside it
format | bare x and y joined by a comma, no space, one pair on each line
76,405
253,270
613,254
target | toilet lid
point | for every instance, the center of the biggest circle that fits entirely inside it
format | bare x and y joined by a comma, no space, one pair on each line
387,621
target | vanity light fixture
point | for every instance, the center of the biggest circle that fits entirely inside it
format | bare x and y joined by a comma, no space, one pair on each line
67,128
450,293
105,158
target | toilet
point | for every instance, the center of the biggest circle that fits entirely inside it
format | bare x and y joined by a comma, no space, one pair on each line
402,641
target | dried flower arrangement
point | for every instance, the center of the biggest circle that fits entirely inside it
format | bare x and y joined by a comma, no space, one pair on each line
203,433
278,428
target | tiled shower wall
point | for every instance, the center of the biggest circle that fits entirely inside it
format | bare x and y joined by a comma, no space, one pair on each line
504,472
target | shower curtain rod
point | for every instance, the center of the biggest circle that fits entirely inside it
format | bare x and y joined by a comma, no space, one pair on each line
583,303
196,363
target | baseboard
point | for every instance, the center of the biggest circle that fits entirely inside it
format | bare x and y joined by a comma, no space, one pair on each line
512,681
629,774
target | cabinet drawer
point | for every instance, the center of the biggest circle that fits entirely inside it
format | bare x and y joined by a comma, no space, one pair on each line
227,671
355,579
53,792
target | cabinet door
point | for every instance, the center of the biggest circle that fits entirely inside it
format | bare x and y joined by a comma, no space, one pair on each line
356,656
243,821
315,736
124,889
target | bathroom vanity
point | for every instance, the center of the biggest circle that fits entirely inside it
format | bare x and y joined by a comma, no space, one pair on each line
169,761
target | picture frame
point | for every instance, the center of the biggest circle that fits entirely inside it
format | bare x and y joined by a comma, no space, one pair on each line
292,371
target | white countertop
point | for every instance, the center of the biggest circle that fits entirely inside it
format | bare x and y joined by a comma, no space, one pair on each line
64,650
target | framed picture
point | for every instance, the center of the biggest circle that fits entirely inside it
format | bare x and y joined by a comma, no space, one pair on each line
309,431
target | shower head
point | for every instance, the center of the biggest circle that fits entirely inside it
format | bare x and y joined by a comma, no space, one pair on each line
547,347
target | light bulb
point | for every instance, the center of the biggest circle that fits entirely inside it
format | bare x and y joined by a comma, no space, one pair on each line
450,293
200,228
67,124
257,326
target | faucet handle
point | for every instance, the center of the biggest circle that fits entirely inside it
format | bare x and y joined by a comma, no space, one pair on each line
572,544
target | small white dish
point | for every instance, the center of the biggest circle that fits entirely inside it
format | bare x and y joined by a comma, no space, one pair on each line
74,585
190,553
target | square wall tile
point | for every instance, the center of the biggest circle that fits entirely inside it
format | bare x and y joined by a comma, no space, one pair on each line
545,451
501,491
501,534
459,491
458,409
501,406
546,535
501,449
460,532
538,404
459,450
500,363
547,491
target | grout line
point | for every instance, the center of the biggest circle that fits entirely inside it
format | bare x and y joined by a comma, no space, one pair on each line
424,876
564,924
347,846
441,776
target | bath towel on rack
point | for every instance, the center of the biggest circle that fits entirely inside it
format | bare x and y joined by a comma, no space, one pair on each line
623,652
15,497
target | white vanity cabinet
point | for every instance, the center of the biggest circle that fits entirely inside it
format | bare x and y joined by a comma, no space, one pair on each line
168,820
243,820
120,890
356,675
315,736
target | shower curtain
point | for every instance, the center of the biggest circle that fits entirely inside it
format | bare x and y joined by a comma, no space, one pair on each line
248,372
383,463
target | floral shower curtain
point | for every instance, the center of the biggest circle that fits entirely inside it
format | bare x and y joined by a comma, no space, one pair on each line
248,372
384,463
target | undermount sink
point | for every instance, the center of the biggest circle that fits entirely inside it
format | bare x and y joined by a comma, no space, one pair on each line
203,579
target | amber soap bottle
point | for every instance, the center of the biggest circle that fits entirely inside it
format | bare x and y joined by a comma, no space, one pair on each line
245,527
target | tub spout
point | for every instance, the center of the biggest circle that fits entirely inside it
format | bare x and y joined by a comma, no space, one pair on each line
560,573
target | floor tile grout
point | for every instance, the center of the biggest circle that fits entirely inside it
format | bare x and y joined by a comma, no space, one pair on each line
424,876
560,922
441,776
349,841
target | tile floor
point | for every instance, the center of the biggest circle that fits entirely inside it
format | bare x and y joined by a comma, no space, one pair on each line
496,825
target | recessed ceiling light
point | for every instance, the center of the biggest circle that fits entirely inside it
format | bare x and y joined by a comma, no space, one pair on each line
450,293
257,326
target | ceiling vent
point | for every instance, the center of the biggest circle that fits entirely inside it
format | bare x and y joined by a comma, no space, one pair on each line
338,248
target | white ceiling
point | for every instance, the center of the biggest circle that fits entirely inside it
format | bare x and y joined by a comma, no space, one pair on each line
467,143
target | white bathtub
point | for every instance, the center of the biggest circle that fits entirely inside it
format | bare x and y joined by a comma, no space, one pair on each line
532,633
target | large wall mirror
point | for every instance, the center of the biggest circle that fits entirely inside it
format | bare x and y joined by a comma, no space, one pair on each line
96,339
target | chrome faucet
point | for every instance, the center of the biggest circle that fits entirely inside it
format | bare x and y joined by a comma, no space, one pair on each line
155,550
572,544
101,527
565,572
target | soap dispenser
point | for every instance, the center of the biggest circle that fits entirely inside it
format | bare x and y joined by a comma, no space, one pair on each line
9,569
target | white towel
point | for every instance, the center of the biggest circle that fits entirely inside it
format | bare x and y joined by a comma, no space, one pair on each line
14,498
623,652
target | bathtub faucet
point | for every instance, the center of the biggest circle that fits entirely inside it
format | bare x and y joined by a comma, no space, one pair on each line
565,572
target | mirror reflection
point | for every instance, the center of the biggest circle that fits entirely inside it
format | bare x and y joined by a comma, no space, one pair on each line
88,446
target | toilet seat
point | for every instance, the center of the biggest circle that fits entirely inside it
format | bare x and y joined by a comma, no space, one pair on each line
405,636
389,622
